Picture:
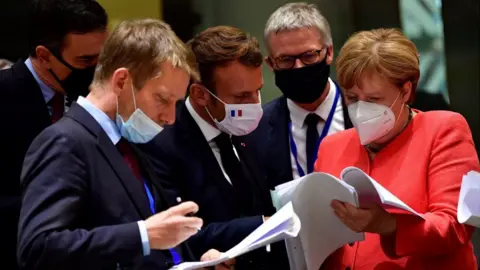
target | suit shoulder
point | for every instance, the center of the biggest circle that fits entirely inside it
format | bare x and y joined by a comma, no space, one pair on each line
441,116
65,131
272,105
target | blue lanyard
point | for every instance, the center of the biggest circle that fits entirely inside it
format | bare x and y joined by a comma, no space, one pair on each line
175,256
326,127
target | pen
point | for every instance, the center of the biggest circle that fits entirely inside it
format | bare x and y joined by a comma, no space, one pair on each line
179,200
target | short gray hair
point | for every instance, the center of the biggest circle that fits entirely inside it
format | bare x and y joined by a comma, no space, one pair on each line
293,16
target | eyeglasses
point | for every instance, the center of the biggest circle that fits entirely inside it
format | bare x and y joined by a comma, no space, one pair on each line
307,58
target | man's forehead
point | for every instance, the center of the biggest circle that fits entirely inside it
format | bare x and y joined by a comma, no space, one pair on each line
88,44
294,42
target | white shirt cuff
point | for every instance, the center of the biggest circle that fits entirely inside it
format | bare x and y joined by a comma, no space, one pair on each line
144,235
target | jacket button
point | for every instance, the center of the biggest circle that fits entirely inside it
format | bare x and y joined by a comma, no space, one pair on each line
348,268
351,244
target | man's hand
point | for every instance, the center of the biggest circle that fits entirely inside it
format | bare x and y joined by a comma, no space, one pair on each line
214,254
373,219
171,227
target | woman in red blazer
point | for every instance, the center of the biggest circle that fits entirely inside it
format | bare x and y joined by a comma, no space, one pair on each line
418,156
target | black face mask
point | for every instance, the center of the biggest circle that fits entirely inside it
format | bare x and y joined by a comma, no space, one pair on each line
77,82
305,84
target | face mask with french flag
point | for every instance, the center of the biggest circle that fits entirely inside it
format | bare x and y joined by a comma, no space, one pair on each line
240,119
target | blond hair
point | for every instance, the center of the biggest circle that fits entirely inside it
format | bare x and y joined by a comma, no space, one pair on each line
387,52
292,16
141,46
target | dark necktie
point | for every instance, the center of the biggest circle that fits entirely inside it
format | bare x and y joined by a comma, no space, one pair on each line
233,167
58,107
312,137
125,150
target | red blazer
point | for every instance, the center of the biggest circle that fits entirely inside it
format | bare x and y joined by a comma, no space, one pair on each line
423,166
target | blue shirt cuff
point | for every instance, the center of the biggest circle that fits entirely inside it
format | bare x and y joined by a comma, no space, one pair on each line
144,235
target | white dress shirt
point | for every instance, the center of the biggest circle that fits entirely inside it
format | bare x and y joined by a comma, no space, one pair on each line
210,132
299,129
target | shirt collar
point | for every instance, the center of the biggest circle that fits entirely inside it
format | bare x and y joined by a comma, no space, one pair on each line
298,114
103,120
47,91
208,130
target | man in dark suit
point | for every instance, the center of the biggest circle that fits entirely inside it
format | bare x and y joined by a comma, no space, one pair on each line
86,207
66,38
205,156
300,50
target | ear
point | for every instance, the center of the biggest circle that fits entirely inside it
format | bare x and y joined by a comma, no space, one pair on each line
44,56
199,95
329,55
407,92
120,81
269,63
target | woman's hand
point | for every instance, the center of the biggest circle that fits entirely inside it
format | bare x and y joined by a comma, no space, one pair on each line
373,218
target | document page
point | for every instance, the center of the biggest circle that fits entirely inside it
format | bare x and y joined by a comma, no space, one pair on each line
283,224
469,200
370,191
322,232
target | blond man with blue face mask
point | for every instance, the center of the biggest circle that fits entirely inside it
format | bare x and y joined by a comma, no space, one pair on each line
91,199
209,156
420,157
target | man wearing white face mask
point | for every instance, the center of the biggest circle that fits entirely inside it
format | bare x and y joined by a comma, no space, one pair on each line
90,198
205,153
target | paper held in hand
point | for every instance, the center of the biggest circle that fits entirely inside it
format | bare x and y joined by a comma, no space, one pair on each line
469,200
322,232
283,224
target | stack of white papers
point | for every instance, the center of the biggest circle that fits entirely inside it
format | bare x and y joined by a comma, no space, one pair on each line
469,200
283,224
322,232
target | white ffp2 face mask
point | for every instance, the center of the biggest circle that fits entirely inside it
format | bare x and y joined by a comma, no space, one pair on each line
240,119
371,120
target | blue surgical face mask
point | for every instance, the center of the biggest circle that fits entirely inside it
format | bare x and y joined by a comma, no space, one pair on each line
139,128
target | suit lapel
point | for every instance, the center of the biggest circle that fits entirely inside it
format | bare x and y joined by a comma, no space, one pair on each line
198,145
128,180
279,143
30,95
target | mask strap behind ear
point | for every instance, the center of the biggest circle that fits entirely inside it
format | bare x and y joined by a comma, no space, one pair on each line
214,96
133,93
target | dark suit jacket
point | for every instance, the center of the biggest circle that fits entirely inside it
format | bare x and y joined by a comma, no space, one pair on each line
24,115
273,144
185,162
81,203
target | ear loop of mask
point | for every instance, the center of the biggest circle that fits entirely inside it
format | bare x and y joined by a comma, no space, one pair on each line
134,99
206,109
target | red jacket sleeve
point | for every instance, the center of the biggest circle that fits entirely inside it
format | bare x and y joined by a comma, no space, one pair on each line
453,155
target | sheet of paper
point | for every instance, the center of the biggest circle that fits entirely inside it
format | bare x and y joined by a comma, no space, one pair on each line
283,193
469,200
283,224
370,191
322,232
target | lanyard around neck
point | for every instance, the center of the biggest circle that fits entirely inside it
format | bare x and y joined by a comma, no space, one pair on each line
326,127
175,256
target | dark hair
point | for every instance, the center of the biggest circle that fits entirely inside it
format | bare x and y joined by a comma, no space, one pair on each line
221,45
52,20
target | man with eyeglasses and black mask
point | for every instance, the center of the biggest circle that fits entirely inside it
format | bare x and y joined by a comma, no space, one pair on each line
300,50
65,37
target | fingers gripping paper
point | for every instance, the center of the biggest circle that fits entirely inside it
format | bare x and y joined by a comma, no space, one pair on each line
284,224
322,232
